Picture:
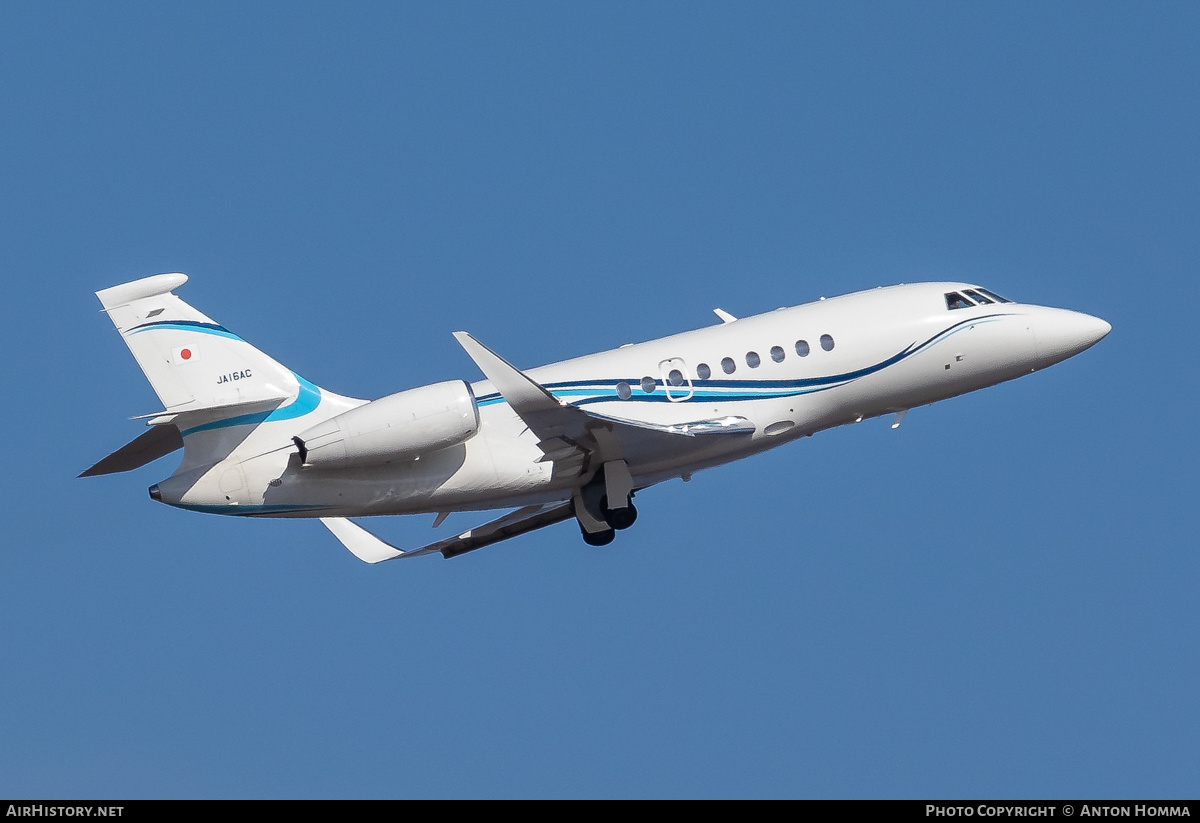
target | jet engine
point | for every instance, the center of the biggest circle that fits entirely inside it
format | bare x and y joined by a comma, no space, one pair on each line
401,426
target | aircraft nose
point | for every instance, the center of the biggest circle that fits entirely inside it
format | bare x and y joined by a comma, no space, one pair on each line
1061,334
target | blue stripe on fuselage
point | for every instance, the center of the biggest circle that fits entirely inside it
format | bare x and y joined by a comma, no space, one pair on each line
705,391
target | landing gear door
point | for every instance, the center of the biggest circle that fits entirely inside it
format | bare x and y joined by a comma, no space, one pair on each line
677,382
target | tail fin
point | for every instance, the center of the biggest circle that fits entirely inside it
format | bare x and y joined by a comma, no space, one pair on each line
191,362
215,387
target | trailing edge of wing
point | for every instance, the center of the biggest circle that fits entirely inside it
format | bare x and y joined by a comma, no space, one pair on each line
370,549
152,444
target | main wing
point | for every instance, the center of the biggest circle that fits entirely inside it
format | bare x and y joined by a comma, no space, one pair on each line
562,428
567,435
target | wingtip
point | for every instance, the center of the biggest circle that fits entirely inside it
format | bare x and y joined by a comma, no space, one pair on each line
360,542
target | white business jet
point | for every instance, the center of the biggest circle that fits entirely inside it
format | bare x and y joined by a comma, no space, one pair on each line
575,439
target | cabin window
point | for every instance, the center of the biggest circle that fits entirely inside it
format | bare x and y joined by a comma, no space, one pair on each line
826,342
752,359
954,300
727,365
703,371
802,348
675,377
648,385
623,390
777,354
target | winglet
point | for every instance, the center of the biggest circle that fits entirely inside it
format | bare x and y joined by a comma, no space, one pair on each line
361,543
521,391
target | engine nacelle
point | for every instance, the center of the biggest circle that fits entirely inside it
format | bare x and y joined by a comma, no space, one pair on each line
398,427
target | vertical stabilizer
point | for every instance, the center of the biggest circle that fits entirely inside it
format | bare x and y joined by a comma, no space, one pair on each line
217,390
192,362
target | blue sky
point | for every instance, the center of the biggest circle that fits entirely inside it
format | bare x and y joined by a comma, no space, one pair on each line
997,599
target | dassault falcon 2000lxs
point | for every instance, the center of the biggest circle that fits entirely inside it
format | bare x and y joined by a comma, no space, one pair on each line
575,439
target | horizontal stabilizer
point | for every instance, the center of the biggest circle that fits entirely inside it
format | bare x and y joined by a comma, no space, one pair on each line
166,431
220,412
370,549
156,442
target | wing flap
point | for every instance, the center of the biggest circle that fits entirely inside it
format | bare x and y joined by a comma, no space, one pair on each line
370,549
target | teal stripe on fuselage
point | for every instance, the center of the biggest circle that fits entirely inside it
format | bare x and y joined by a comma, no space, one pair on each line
702,391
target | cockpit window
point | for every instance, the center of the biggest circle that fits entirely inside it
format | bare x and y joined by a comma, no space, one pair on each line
954,300
992,295
977,297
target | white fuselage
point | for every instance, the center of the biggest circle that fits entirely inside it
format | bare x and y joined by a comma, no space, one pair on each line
790,373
